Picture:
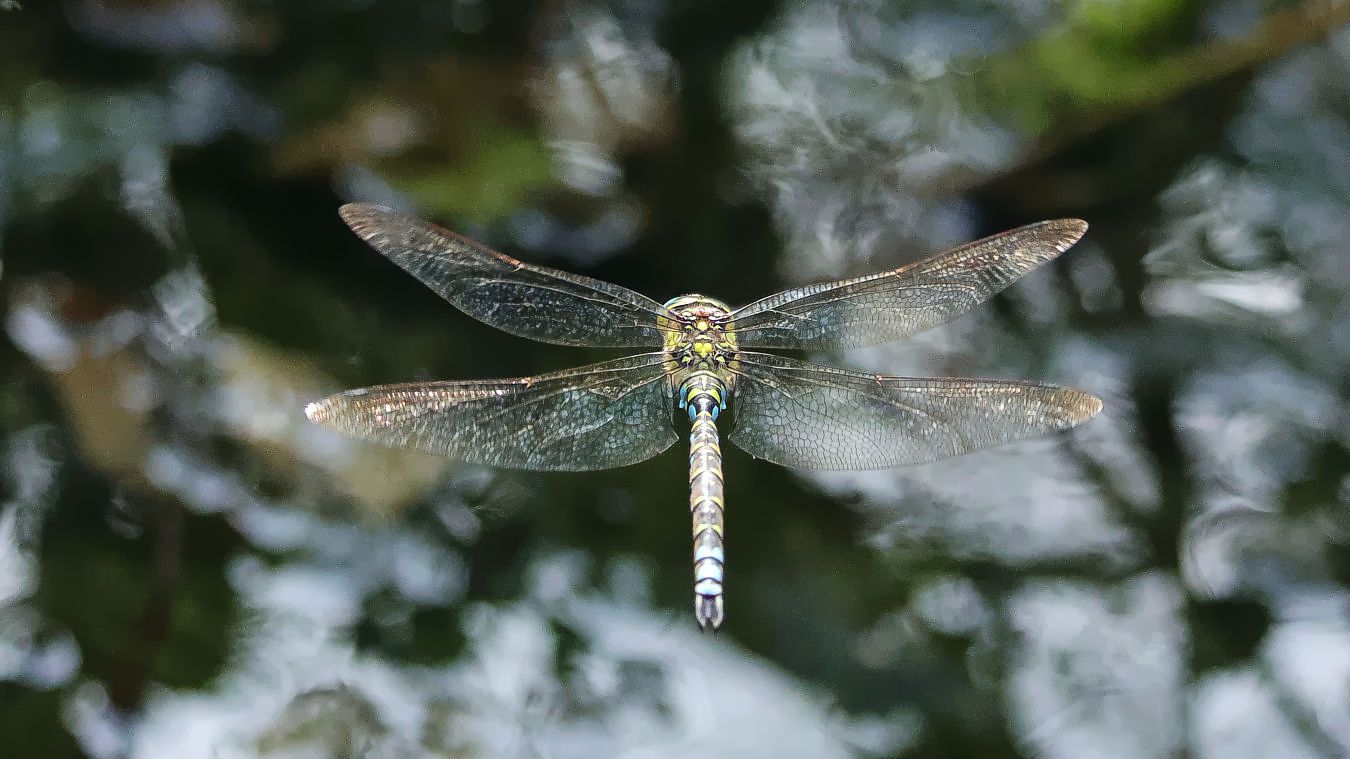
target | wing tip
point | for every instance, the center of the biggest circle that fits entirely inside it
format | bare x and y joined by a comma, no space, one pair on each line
359,216
319,412
334,412
1084,407
1067,231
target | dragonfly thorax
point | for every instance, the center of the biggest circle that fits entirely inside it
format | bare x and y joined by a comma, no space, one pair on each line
698,334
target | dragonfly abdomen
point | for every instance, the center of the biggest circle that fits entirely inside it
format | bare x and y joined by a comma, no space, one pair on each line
704,394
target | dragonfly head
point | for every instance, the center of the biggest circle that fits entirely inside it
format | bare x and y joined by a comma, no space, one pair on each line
696,331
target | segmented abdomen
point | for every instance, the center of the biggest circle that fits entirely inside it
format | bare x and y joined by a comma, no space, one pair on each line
704,394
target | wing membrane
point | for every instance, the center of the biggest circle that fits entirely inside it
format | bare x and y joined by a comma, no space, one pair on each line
593,417
816,417
529,301
883,307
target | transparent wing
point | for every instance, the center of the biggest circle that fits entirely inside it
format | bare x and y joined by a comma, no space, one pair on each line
530,301
815,417
593,417
883,307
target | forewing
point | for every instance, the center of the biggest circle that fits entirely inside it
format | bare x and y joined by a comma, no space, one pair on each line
883,307
594,417
530,301
816,417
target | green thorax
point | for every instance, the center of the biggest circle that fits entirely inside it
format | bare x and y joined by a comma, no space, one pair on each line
699,335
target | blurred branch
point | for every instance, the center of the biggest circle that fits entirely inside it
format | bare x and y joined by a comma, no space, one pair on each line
130,672
1072,84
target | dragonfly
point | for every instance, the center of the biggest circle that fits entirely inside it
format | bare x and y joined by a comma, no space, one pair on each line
706,361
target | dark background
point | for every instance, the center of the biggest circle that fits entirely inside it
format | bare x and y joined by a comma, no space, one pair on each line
187,568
